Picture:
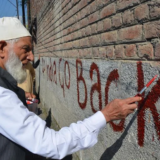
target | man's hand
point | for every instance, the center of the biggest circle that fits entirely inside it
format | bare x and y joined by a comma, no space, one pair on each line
29,95
120,108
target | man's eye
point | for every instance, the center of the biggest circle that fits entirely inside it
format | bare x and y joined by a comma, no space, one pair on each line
26,49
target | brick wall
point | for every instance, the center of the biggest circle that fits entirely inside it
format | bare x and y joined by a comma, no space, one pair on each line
130,29
114,39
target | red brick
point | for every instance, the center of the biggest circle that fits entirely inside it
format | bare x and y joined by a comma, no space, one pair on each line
73,53
93,17
76,35
79,35
73,20
108,10
128,17
83,32
68,45
76,26
82,4
119,51
100,26
73,36
84,12
94,28
84,22
94,40
75,1
145,50
74,10
88,31
65,17
93,7
79,15
84,42
100,3
152,29
67,38
157,50
68,6
102,52
105,1
110,52
75,44
65,3
131,33
141,12
117,20
109,37
87,8
95,52
86,53
62,40
123,4
130,50
61,53
154,9
107,24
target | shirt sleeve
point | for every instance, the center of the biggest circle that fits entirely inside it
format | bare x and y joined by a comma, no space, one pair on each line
25,128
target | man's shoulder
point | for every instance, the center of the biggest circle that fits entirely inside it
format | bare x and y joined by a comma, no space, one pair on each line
3,82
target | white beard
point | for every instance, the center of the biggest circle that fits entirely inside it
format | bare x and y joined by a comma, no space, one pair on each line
14,67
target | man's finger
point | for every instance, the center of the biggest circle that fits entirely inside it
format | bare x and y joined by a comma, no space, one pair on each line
130,111
132,106
132,99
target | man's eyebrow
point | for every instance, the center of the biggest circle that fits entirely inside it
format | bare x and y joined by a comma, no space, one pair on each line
27,46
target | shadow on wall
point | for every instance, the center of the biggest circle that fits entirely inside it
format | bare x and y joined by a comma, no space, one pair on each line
48,119
112,150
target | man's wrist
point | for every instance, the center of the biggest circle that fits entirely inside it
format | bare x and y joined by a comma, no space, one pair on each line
106,116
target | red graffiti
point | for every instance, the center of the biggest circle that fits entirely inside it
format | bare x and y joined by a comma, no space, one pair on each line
95,87
148,103
52,74
112,77
67,64
81,79
61,84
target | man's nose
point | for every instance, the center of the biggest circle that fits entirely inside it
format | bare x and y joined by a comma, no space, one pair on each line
30,56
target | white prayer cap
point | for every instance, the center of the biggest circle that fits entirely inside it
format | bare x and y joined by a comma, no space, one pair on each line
12,28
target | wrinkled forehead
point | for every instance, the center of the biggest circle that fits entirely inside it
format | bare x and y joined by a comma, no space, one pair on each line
24,41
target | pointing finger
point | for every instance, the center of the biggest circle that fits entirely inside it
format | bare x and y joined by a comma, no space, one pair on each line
133,99
132,106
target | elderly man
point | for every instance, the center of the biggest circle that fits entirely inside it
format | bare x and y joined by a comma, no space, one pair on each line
22,130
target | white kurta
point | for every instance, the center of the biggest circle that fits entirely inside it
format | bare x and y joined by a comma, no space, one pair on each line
28,130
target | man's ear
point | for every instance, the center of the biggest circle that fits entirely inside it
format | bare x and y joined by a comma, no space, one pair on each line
2,45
